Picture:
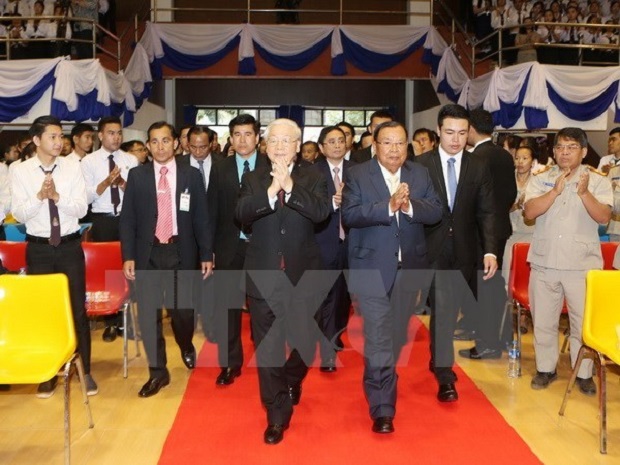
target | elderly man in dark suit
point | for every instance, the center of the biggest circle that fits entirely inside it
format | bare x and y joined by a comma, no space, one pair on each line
164,227
486,320
331,236
386,203
282,204
467,225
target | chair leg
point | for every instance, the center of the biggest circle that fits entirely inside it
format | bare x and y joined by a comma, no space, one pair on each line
126,308
573,378
80,372
519,312
65,375
602,400
565,343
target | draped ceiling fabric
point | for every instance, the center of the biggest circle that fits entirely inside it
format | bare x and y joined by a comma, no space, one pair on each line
526,96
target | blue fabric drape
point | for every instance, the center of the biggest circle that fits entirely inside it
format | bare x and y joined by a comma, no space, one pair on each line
14,107
88,108
509,113
296,113
584,111
294,62
189,114
373,62
182,62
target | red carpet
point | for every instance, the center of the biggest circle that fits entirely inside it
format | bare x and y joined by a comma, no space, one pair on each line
331,424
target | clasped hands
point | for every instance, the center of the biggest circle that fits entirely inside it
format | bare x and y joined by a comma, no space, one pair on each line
400,199
582,184
281,178
48,189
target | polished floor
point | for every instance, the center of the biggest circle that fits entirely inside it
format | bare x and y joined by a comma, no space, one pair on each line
131,430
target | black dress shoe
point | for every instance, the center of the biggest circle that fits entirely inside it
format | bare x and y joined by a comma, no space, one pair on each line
227,376
480,354
189,358
295,393
328,366
110,333
153,385
274,434
383,425
447,393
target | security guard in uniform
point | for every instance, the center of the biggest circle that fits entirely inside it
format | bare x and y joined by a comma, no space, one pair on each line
568,201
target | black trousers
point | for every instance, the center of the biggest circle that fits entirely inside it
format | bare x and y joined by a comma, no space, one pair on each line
276,322
155,288
67,258
452,286
229,299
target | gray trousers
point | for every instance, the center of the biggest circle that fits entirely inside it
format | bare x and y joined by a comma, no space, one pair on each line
548,289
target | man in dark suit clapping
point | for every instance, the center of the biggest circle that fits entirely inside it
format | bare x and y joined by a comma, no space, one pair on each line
164,228
386,203
282,203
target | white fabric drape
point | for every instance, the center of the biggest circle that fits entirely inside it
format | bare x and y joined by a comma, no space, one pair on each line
451,71
285,40
80,77
387,40
138,71
18,77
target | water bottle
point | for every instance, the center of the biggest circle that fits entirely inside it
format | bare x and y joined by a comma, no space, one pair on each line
514,360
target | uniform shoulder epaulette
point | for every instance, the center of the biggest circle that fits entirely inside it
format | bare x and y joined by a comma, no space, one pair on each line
544,170
594,170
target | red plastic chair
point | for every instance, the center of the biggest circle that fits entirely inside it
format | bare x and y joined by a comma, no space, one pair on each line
608,249
107,290
13,255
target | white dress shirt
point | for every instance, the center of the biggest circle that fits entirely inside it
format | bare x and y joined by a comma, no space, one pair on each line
96,167
26,181
5,192
444,166
206,166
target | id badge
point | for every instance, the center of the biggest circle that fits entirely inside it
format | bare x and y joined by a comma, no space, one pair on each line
184,204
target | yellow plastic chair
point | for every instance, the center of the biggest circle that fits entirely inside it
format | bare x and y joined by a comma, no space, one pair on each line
601,337
37,336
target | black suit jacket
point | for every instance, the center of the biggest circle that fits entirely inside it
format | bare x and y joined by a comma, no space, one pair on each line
139,217
471,222
502,167
286,231
185,160
328,231
360,156
222,197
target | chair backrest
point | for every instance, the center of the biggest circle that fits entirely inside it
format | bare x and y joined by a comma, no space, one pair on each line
601,320
519,280
37,334
13,255
106,286
608,249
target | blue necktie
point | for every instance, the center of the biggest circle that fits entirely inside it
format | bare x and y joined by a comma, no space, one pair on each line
451,181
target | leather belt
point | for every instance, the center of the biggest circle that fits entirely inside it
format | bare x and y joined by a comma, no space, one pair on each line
172,240
104,214
46,240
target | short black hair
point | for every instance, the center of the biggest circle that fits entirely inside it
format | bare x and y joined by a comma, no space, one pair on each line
159,125
126,146
389,124
381,114
41,123
108,120
348,125
482,121
197,130
615,130
243,120
326,130
576,134
451,110
531,149
80,129
429,132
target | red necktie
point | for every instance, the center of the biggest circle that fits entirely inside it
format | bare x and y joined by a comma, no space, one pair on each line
337,185
163,230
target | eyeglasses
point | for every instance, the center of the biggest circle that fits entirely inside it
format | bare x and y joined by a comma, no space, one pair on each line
569,147
199,148
285,141
340,141
389,144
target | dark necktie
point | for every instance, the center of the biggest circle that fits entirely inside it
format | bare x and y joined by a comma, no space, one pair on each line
501,19
201,168
54,217
246,167
115,195
281,200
